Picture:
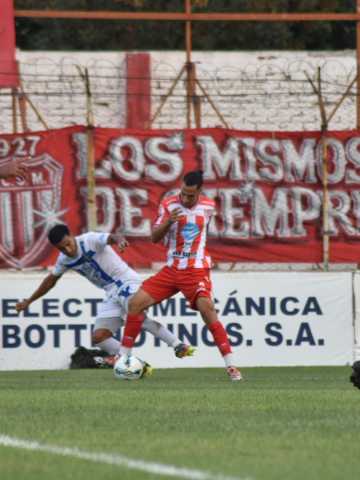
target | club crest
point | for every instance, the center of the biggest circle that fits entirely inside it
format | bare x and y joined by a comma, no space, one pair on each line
29,208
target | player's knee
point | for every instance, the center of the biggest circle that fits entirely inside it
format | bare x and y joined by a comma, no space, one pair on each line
205,304
100,335
207,310
134,307
138,303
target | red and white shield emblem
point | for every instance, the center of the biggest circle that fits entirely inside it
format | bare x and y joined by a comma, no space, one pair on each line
29,208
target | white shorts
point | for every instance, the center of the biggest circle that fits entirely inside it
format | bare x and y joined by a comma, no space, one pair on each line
113,309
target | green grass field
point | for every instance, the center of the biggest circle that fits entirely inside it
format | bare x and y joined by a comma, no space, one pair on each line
280,423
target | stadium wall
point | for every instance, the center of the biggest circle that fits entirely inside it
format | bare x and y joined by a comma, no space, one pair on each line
272,318
253,90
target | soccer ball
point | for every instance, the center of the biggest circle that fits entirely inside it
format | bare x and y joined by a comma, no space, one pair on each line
129,367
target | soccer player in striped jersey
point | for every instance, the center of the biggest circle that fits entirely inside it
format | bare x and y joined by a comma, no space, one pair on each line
91,256
182,224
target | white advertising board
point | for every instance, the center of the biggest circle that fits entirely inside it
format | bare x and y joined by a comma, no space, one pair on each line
271,318
357,316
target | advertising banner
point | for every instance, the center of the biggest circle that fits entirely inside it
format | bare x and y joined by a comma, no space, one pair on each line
357,314
267,187
272,319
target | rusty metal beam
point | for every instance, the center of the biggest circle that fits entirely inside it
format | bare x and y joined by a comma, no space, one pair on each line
190,84
193,17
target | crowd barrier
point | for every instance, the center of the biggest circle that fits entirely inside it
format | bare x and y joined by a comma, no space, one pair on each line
272,319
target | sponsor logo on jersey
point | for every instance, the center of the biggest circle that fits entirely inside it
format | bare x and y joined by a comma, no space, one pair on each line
184,254
190,232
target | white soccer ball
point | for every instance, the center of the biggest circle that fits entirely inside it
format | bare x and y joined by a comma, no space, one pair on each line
129,367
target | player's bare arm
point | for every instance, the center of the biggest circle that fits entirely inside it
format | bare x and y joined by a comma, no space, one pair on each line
46,285
119,240
161,230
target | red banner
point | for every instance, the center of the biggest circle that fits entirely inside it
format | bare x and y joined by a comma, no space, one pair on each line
268,189
8,68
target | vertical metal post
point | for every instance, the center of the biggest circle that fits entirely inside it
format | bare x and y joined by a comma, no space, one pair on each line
324,154
14,110
326,235
91,194
23,110
21,99
90,134
196,100
358,67
89,111
191,83
188,40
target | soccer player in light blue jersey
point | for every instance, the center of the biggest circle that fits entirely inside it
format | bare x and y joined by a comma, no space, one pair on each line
92,256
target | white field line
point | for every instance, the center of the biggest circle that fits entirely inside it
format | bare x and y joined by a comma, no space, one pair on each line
113,459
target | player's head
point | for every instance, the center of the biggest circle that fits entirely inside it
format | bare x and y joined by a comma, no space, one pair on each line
61,238
191,188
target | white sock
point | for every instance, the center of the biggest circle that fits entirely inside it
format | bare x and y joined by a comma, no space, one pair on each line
161,332
124,350
229,360
110,345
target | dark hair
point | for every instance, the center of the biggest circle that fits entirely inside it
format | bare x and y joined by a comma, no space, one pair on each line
57,233
194,178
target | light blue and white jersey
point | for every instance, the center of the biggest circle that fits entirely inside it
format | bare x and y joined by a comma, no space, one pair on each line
98,262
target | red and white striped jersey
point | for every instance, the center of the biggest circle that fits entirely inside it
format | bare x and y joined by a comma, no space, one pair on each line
186,238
